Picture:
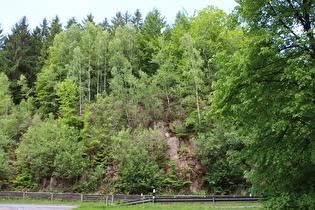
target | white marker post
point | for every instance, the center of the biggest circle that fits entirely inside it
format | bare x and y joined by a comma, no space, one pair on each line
153,197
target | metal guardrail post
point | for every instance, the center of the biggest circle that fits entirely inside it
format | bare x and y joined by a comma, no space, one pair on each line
213,201
153,197
81,198
52,197
106,200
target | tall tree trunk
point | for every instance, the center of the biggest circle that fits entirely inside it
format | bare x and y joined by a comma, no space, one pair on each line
89,80
197,101
105,72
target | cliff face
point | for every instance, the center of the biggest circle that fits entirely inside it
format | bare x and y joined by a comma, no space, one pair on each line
181,152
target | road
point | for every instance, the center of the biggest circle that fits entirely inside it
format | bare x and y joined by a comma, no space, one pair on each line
21,206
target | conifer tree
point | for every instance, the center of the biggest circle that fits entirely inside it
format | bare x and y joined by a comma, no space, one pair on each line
71,21
105,25
20,55
117,21
55,27
89,18
127,18
1,37
2,57
137,20
152,28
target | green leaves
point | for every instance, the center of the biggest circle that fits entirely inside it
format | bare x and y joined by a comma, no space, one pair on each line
220,152
265,90
5,96
141,156
49,148
102,88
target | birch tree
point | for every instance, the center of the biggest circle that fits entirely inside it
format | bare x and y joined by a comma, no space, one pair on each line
192,63
77,73
88,46
5,97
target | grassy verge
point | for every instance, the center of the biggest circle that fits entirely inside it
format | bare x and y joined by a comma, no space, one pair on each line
181,206
149,206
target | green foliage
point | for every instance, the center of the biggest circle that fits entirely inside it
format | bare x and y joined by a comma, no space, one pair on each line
174,181
139,175
4,169
67,98
266,89
20,52
286,201
5,96
207,29
141,156
178,127
69,164
49,148
219,152
24,180
152,28
90,181
45,95
192,75
95,136
99,90
14,125
153,24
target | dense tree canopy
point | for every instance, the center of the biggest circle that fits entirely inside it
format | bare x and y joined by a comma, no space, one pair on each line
107,84
82,103
266,89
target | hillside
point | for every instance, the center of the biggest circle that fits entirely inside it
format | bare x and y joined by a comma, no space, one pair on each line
118,107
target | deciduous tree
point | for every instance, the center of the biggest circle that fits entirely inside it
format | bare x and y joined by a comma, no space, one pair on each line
267,89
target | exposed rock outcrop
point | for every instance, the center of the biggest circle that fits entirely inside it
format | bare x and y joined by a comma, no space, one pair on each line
182,153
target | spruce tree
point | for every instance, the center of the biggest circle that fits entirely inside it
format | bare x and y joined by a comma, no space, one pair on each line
152,28
20,54
137,20
71,21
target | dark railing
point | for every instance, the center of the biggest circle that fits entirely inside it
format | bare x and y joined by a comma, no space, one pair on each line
193,199
126,199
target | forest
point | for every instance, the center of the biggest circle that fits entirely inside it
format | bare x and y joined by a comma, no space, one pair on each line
98,107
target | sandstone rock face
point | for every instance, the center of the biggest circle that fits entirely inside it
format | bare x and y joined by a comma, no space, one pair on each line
53,182
173,145
182,153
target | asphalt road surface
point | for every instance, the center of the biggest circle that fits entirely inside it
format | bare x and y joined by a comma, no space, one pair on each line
21,206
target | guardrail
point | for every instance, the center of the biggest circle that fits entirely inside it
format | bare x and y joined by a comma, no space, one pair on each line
193,199
53,196
126,199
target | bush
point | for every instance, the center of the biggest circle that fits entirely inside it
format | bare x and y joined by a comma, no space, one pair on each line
24,180
292,201
141,156
4,170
